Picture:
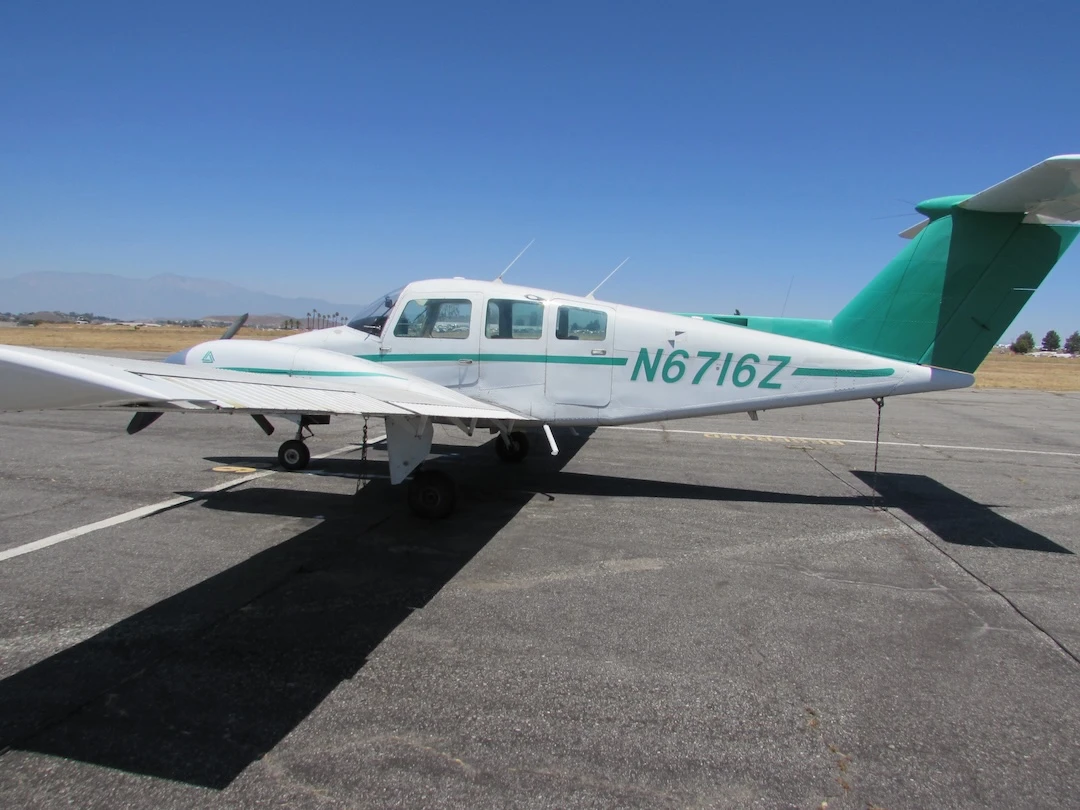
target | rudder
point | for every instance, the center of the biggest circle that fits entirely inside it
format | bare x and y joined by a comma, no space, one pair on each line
950,295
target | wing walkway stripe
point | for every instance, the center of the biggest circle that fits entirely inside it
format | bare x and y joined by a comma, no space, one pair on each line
161,506
767,437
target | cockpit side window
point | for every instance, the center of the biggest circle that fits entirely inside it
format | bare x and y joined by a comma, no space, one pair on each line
575,323
435,318
522,320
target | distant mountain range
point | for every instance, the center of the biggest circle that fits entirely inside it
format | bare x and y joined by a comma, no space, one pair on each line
163,296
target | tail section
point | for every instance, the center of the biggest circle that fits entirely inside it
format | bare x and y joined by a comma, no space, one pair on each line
946,299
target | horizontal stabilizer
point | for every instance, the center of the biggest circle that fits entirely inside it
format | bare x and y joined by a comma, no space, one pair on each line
914,230
1048,193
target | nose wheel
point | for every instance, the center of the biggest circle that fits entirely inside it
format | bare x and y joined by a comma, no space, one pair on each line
293,455
512,448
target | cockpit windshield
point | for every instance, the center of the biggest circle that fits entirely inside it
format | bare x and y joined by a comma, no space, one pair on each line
372,318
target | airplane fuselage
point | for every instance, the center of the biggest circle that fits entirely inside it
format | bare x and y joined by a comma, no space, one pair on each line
563,359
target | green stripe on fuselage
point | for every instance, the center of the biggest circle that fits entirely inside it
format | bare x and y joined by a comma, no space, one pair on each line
494,358
843,372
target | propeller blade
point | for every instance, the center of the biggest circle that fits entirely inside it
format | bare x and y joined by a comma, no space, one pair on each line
264,423
143,420
238,324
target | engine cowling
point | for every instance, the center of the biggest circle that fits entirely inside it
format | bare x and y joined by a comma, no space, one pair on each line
272,357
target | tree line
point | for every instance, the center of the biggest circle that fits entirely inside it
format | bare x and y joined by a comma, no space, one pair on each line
1051,342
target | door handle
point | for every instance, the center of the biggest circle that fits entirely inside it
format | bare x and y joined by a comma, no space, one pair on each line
599,351
465,361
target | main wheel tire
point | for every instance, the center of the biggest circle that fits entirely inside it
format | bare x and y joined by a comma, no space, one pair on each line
432,495
516,451
293,455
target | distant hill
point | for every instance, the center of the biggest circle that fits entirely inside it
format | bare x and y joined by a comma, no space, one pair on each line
162,296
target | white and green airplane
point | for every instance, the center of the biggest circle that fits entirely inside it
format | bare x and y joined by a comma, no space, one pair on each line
513,360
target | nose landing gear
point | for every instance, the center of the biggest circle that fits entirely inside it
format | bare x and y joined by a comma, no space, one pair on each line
293,455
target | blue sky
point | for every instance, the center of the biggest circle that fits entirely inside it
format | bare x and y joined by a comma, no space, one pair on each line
341,149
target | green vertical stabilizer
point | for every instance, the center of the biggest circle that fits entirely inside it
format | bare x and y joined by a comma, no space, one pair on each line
948,297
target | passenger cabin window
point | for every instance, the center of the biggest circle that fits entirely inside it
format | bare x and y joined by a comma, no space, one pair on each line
574,323
435,318
521,320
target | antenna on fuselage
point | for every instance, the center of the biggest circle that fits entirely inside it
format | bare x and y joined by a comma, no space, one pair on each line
609,275
503,273
783,309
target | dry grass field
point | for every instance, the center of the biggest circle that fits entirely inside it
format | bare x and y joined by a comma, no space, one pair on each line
997,371
1036,373
122,338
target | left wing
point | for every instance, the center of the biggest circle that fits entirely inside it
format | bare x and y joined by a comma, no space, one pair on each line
37,379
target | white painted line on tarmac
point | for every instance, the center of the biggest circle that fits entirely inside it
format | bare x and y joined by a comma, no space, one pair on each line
763,437
161,506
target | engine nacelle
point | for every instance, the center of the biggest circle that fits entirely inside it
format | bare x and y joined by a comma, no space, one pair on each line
272,357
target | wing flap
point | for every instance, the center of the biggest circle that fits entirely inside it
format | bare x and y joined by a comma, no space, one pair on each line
479,410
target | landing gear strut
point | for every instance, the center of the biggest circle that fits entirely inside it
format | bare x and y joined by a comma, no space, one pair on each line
293,455
512,448
432,494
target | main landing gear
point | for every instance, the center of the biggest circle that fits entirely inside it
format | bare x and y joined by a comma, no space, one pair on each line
432,494
512,447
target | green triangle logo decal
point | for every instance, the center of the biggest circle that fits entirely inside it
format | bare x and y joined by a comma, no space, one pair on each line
208,357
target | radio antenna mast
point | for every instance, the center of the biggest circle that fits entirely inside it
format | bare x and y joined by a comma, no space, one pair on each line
609,275
503,273
783,309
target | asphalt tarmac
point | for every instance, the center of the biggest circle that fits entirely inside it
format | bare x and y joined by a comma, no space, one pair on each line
709,613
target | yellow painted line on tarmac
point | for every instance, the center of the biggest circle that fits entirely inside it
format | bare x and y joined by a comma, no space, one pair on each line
754,437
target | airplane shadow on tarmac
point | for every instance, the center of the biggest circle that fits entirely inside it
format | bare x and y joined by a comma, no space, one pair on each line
953,517
200,685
